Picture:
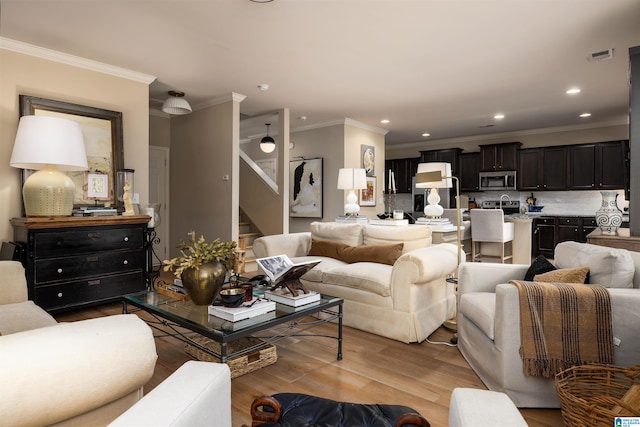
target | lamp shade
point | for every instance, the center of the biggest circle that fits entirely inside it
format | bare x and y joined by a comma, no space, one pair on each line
425,178
352,179
175,104
43,140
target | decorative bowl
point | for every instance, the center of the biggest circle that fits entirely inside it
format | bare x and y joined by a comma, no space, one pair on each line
232,297
534,208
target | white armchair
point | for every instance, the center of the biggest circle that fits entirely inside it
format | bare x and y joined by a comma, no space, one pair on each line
489,317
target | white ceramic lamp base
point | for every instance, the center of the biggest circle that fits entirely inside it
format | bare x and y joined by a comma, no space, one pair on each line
351,208
433,209
48,192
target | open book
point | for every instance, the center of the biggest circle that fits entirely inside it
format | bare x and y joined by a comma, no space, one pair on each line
280,268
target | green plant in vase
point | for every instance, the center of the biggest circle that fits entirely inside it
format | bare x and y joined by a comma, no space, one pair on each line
202,266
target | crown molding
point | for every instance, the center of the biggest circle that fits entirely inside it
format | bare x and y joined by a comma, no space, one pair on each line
491,136
76,61
344,122
232,96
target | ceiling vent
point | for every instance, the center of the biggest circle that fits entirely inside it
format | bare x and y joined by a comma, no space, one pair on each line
601,55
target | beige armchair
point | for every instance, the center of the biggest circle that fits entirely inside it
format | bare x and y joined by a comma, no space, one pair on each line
489,317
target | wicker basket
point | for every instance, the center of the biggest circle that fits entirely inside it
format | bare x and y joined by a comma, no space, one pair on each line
239,365
593,395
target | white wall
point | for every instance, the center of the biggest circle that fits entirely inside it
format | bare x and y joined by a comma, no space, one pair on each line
22,74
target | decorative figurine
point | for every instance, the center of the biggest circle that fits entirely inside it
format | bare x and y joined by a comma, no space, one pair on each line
126,196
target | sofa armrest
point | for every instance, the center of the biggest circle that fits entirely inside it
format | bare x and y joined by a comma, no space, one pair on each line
57,372
292,245
484,276
13,283
197,394
425,264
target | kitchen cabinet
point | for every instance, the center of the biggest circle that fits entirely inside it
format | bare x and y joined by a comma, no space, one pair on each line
403,170
448,155
75,261
600,166
499,157
469,173
549,231
544,236
542,168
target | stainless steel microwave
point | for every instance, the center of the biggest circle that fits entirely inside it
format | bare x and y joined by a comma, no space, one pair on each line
503,180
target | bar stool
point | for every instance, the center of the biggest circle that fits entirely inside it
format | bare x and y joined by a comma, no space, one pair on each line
488,226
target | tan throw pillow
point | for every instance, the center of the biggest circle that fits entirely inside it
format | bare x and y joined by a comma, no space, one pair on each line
382,254
327,248
564,275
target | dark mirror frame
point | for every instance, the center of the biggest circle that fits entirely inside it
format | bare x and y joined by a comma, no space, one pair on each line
29,105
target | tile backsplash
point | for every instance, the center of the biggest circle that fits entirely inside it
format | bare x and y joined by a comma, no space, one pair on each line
580,203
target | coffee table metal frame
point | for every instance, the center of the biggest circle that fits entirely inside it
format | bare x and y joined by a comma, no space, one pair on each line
169,320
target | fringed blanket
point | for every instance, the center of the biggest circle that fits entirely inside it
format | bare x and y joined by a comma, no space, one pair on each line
563,325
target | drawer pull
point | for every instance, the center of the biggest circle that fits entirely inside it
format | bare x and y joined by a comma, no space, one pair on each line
125,262
94,235
93,282
92,258
126,239
59,270
59,294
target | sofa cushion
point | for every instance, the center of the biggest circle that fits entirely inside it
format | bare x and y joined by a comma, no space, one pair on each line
349,234
413,236
23,316
539,265
368,276
609,267
564,275
384,254
480,308
315,274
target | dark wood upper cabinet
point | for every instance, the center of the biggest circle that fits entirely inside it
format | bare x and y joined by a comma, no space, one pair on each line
403,170
600,166
469,171
499,157
447,155
529,173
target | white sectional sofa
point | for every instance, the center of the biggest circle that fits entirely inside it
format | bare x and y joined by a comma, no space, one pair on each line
405,300
489,317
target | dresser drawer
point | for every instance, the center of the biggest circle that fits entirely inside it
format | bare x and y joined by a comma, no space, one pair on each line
61,243
569,221
96,264
81,291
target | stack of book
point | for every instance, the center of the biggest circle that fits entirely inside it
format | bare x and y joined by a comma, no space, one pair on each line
283,296
249,309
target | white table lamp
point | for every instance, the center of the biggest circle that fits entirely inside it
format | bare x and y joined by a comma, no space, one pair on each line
50,145
434,176
352,179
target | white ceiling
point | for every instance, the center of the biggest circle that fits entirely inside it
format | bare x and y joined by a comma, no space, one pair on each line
443,67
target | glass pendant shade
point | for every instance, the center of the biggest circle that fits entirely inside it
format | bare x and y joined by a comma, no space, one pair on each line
175,104
267,144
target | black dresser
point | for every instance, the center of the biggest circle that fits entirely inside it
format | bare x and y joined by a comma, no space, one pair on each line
76,261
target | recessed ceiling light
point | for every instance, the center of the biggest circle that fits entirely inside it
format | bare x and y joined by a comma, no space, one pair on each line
263,86
303,118
385,121
499,116
585,115
426,134
573,91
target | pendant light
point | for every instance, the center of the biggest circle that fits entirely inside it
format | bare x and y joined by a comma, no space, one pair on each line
267,144
176,104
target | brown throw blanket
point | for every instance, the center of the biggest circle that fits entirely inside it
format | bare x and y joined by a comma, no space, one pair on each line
563,325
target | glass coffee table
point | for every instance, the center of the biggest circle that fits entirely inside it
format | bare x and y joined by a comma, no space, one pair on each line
181,319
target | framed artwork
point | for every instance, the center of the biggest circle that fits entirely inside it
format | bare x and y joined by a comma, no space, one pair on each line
368,156
305,188
367,196
97,186
102,133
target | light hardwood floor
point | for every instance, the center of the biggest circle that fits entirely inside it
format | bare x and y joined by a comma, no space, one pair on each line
373,370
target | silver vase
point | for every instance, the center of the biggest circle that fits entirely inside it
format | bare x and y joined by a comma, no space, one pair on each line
609,217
